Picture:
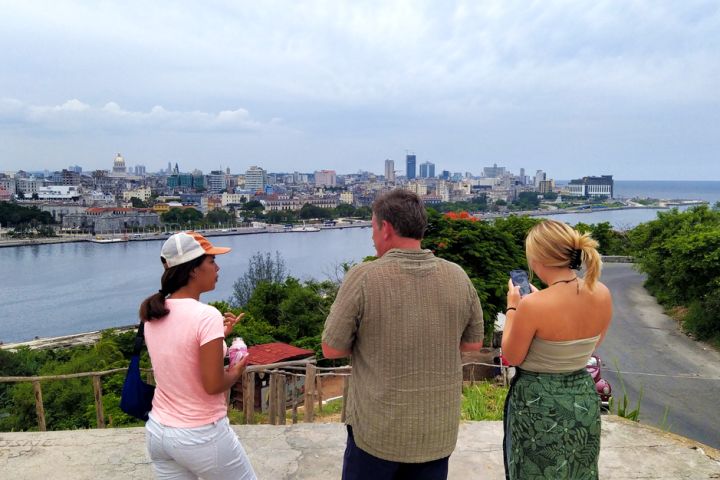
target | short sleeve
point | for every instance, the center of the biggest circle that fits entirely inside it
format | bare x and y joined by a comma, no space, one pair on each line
342,323
210,325
474,331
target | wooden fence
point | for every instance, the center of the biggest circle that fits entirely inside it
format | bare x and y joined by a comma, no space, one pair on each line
281,374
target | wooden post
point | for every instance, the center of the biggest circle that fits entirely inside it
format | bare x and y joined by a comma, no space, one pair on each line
249,397
272,399
346,387
39,409
150,376
294,399
97,391
309,392
281,404
318,381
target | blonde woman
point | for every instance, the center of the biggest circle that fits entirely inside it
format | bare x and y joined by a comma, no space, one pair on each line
552,412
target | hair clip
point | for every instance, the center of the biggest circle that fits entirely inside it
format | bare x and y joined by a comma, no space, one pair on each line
575,259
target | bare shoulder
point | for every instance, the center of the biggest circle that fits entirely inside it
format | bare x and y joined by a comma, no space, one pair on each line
601,291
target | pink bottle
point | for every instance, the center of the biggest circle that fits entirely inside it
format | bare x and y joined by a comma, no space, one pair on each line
237,351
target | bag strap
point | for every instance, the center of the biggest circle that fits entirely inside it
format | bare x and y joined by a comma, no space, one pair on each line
139,339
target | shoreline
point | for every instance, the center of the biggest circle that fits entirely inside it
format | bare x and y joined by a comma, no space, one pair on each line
148,237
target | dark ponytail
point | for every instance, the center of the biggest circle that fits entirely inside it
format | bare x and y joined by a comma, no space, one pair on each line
173,279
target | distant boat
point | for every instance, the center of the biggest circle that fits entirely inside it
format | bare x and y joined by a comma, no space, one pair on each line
99,239
305,228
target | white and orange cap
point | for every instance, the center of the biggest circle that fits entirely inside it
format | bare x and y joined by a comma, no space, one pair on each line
183,247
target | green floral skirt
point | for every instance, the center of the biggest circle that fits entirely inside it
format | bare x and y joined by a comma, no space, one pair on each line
552,426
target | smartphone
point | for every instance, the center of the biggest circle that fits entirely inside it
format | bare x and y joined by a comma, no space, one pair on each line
520,279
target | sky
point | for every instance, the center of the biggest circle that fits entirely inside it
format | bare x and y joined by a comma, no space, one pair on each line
573,88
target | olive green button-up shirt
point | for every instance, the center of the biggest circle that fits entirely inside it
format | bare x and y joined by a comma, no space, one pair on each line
403,316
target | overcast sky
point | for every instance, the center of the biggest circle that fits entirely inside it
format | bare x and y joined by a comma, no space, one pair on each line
628,88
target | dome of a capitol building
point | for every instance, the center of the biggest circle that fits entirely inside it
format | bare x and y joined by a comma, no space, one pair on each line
119,164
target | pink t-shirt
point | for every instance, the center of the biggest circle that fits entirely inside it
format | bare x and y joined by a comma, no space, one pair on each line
174,345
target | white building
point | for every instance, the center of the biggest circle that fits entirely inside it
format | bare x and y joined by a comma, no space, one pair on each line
325,178
234,198
58,192
142,193
255,179
390,171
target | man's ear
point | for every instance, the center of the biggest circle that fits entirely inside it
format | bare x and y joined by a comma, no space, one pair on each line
387,229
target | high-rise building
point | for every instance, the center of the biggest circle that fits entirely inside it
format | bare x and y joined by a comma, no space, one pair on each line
255,179
140,170
410,171
390,171
427,170
494,171
522,176
75,168
325,178
540,176
602,186
216,181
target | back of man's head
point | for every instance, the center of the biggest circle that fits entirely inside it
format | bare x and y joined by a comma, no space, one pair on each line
403,210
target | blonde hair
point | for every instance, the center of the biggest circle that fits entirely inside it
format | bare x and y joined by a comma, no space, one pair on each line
553,244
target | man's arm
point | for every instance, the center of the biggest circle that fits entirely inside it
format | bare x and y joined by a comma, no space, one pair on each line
332,353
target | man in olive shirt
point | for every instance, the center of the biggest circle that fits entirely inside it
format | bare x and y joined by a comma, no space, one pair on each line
403,318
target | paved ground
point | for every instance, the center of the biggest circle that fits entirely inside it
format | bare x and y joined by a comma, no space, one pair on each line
672,370
314,451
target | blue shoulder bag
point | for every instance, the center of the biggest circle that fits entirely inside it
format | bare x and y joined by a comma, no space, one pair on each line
136,399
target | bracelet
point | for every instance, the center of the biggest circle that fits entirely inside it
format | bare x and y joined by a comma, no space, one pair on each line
510,308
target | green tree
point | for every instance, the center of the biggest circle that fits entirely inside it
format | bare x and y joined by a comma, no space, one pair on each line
261,268
486,251
309,211
137,203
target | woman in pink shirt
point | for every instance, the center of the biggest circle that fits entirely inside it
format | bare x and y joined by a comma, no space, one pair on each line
188,433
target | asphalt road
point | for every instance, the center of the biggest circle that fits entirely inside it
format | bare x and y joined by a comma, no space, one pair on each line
676,374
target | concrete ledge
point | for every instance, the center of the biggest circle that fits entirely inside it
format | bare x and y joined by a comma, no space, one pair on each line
314,451
617,259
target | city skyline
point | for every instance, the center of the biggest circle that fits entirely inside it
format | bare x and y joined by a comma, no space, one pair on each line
618,89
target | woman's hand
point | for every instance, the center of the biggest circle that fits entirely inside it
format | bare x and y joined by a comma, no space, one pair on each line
237,369
230,320
513,295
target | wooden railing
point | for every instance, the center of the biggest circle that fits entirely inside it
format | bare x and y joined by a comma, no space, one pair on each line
97,390
280,375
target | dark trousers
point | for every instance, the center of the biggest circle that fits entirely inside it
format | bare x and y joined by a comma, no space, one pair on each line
360,465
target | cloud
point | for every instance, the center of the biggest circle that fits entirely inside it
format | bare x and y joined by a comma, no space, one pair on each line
77,116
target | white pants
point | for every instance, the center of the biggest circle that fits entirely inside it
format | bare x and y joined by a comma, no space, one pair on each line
211,452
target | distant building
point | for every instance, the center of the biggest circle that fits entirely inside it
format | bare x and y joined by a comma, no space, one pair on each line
427,170
140,170
390,171
58,192
325,178
216,182
255,179
99,220
494,171
540,176
546,186
139,193
119,165
349,197
602,186
410,170
75,168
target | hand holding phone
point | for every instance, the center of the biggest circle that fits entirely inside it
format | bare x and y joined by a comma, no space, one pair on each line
520,279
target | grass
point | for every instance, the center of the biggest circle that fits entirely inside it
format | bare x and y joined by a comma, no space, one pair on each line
483,401
330,412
